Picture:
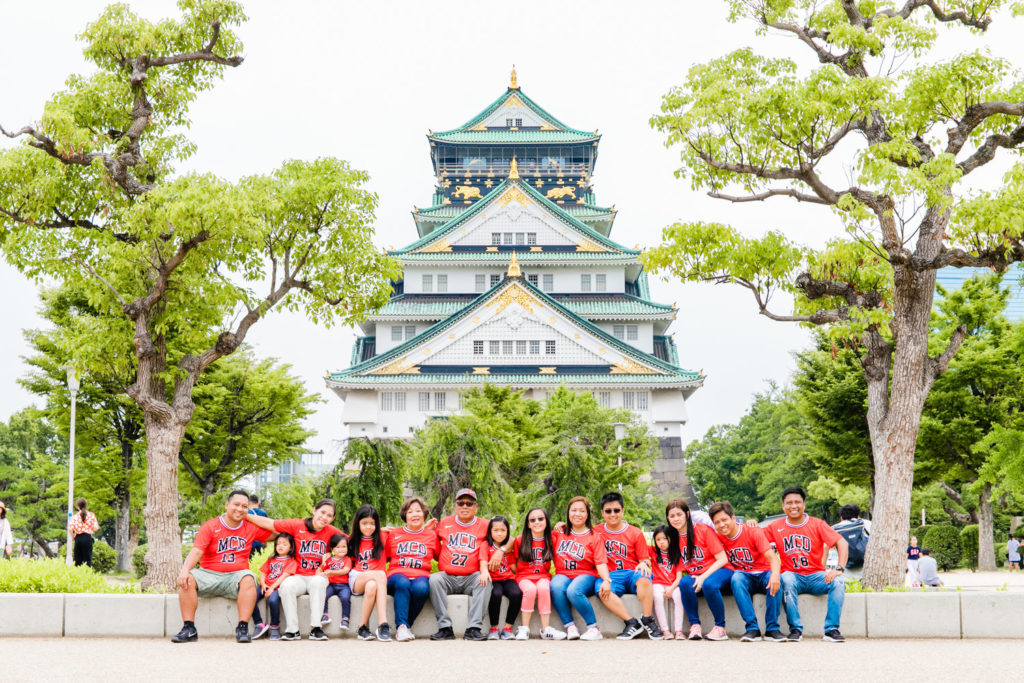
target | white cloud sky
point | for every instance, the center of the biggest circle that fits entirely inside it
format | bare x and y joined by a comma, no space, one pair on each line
365,81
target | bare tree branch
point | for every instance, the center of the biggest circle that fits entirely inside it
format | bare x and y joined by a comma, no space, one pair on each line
776,192
941,362
974,116
987,150
102,279
940,14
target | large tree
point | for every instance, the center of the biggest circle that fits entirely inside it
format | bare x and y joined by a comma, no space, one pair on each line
885,131
91,198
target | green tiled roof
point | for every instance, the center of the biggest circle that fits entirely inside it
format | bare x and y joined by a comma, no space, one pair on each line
524,257
588,306
618,344
444,211
513,137
682,379
587,210
489,199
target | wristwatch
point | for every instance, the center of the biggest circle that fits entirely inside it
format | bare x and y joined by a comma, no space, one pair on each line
841,570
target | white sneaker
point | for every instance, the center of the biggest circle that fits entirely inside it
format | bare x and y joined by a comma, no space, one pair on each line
592,633
523,633
571,632
551,633
403,634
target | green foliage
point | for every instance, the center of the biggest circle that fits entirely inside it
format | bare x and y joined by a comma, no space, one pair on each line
919,532
969,544
54,576
104,559
139,558
291,499
944,542
370,471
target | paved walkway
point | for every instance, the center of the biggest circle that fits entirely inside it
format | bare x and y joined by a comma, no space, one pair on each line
220,659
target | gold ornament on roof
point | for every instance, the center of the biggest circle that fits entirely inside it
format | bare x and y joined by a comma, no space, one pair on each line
513,83
559,192
586,245
514,194
481,370
515,294
630,367
439,247
513,170
547,370
467,192
513,267
402,366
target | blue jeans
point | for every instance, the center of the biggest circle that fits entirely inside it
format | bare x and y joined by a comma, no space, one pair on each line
794,584
566,592
745,583
410,596
344,593
273,604
712,590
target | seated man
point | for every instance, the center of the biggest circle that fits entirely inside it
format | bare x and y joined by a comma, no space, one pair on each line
801,541
928,569
756,570
461,567
629,568
222,549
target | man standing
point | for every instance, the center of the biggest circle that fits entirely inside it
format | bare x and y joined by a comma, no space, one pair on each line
255,509
461,567
756,570
629,568
1013,553
222,549
801,541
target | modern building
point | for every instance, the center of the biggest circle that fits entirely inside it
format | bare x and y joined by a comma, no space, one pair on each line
952,279
515,280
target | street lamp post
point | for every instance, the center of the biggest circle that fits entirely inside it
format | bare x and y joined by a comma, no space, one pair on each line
73,385
620,433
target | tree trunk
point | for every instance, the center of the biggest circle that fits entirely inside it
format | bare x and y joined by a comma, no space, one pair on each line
986,531
163,556
122,532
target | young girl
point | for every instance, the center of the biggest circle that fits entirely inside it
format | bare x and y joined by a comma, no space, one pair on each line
335,567
503,582
368,576
666,573
913,555
276,569
534,551
707,569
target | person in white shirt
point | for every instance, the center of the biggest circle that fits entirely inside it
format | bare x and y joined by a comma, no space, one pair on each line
6,538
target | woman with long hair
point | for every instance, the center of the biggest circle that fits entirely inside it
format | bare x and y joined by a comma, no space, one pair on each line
707,569
580,559
82,526
534,550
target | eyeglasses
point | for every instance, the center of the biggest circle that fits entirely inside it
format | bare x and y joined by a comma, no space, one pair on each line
465,503
536,519
612,511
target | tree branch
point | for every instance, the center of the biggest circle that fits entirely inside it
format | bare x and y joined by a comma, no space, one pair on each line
941,362
825,56
974,116
940,14
987,150
102,279
775,192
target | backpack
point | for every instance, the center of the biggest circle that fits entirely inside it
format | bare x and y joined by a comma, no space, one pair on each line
857,537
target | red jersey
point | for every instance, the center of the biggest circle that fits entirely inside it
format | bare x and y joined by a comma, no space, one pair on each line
578,554
410,552
333,564
310,548
274,567
802,546
746,550
625,548
226,548
536,568
461,546
705,546
365,561
503,571
663,572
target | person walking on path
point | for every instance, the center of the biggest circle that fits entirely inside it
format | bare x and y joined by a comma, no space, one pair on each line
82,526
461,567
222,550
1013,553
6,537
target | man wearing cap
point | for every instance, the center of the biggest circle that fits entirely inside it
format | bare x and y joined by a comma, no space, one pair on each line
461,567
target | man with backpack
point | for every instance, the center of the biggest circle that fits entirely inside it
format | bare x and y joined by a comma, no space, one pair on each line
857,532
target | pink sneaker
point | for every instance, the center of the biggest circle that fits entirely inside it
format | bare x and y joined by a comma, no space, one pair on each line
696,633
668,634
717,633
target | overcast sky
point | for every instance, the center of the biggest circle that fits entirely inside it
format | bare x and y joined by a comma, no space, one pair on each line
365,81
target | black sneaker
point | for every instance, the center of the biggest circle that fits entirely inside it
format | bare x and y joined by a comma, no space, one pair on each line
474,634
275,633
631,631
187,634
650,625
317,633
775,637
242,633
294,635
445,633
260,630
833,636
795,635
384,633
364,633
753,637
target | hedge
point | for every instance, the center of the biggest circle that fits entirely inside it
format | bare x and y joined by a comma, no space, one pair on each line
104,558
944,542
969,545
139,558
54,576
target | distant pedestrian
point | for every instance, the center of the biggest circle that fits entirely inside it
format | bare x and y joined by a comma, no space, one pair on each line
928,569
1013,553
913,556
255,509
6,538
82,525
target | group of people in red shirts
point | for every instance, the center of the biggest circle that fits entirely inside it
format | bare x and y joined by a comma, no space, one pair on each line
550,566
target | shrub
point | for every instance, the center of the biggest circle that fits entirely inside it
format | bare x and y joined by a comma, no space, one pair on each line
104,558
54,576
1002,555
919,532
944,542
139,558
969,545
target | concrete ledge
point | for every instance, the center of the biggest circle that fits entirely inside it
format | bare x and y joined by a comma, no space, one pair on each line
32,614
992,614
933,614
913,615
88,614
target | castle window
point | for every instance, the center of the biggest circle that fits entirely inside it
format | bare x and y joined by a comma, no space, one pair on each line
520,238
619,331
400,401
506,347
439,400
508,238
495,279
428,283
549,347
604,399
535,347
521,348
531,238
396,333
631,332
495,238
601,282
585,282
641,400
410,331
519,122
478,348
547,282
508,123
532,279
494,347
386,401
480,282
442,283
627,400
424,401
